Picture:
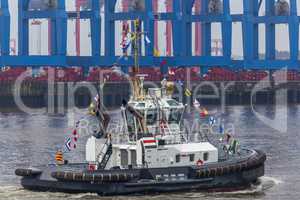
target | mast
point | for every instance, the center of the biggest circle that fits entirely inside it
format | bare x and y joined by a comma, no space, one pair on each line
137,80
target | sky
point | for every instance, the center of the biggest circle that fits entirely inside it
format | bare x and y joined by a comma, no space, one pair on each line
42,33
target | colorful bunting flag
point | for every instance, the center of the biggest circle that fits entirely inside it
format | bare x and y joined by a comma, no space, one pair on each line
75,132
180,83
196,104
126,46
163,63
156,53
147,40
68,144
212,120
204,112
171,72
221,129
187,92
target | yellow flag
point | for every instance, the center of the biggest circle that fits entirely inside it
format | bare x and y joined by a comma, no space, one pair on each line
133,37
156,53
187,92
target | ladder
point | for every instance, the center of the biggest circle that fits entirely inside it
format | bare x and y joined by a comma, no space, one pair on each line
104,155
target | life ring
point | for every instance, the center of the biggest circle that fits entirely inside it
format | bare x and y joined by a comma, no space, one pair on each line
199,162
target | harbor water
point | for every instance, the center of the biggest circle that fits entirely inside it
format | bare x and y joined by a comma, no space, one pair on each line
33,139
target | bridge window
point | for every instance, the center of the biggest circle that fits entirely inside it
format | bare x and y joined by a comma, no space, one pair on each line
192,157
141,105
206,156
175,116
172,102
133,157
177,158
151,117
124,157
130,122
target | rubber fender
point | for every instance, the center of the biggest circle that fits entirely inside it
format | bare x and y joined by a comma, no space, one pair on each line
238,168
244,166
207,172
225,170
213,172
219,171
27,172
232,169
78,176
87,177
201,173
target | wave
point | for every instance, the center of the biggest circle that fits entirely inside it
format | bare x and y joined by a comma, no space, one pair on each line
16,193
85,196
263,184
5,189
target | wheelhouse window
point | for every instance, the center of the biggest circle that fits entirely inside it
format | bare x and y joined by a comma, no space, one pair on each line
151,116
130,122
141,105
206,156
177,158
175,116
192,157
172,102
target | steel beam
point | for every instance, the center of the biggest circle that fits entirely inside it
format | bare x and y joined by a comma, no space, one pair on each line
149,28
180,19
4,28
23,28
294,31
109,9
96,29
227,30
270,31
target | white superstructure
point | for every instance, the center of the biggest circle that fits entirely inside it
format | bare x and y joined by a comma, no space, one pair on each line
155,137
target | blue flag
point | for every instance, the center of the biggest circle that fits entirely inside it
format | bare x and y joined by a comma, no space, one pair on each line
126,46
212,120
221,129
147,40
68,144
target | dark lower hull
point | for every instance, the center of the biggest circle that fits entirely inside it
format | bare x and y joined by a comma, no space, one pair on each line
206,178
224,183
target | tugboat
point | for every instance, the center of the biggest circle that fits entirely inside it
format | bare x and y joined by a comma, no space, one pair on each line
154,157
